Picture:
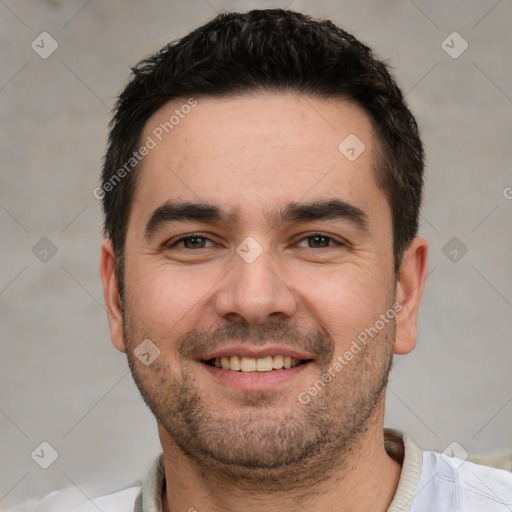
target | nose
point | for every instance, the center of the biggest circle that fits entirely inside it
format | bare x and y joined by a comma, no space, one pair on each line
255,292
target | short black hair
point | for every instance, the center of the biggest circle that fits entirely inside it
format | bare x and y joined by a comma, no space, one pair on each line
271,50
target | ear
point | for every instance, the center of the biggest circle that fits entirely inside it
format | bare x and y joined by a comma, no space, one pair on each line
111,295
409,289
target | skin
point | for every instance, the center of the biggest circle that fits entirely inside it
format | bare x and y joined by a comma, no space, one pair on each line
223,445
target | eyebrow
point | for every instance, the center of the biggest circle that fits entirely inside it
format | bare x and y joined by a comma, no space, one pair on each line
332,209
176,212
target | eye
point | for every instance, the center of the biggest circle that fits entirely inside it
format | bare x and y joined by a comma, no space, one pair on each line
193,241
318,241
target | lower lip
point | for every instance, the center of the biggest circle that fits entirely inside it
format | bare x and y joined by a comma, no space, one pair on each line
255,381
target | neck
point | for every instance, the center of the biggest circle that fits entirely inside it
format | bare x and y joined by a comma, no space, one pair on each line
363,479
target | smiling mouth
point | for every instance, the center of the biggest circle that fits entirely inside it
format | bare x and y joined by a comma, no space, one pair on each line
251,364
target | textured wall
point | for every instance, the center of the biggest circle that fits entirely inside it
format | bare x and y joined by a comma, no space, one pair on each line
61,379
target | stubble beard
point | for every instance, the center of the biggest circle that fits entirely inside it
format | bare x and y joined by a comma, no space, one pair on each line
258,440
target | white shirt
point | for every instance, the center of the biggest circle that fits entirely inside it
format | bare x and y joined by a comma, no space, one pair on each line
429,482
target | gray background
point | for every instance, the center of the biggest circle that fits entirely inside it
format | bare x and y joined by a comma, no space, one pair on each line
61,379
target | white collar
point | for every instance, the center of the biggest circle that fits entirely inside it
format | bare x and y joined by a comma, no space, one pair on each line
398,446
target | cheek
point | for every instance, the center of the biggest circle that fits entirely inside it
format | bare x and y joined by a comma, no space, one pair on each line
345,301
163,299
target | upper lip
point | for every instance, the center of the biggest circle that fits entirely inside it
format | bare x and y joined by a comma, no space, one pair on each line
255,352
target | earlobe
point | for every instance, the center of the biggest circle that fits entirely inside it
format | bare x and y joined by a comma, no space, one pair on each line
409,289
111,295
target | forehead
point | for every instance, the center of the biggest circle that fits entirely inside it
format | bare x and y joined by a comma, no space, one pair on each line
258,151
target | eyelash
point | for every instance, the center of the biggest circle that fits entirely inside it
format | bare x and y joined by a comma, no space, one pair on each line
332,240
186,237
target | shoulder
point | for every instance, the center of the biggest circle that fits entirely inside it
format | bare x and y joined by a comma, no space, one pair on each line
464,485
115,502
73,500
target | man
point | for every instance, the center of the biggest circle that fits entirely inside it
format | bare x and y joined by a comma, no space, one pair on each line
261,266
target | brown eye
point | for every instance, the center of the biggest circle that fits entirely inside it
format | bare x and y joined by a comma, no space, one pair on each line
194,242
319,241
191,241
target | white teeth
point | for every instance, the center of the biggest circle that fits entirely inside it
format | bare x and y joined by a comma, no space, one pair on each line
278,362
264,364
235,363
251,364
248,364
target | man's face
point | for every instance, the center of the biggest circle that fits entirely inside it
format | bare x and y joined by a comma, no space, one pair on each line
289,253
